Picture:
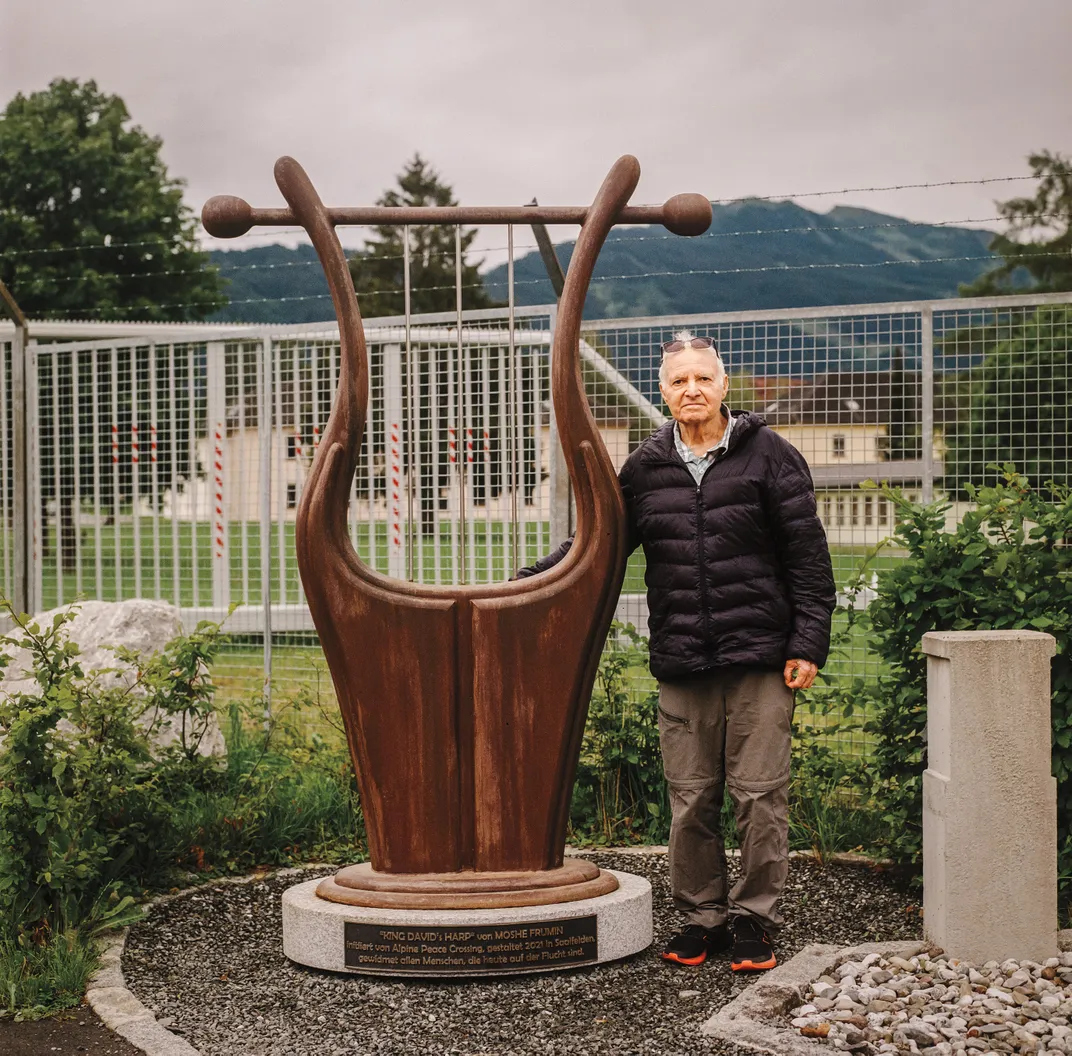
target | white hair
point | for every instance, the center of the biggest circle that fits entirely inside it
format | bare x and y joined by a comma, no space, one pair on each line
688,335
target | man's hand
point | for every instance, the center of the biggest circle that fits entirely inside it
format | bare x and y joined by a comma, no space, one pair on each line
800,674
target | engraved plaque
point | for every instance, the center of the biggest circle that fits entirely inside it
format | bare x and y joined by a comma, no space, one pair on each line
485,950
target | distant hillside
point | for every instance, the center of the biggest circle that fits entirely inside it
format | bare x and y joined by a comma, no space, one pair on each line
280,285
273,284
753,235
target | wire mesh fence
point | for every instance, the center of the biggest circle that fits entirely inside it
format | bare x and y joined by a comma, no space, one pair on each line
168,461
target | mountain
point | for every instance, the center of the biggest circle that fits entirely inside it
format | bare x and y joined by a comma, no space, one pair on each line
846,256
766,254
273,284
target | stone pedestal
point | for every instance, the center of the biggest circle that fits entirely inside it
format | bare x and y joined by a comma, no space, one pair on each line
989,800
452,943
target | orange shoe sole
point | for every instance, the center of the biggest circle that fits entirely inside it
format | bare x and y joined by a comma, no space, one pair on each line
689,962
754,966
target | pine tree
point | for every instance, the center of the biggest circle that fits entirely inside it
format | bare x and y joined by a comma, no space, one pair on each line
378,272
1047,261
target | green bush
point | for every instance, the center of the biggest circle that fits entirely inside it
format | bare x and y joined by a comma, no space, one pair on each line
620,795
77,791
93,813
1008,564
280,796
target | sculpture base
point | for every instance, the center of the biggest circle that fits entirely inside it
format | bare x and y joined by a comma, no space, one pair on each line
360,885
467,942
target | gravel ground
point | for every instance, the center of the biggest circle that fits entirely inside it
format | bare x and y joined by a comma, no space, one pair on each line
210,965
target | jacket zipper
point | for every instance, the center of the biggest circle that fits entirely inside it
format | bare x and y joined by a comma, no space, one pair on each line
700,559
701,568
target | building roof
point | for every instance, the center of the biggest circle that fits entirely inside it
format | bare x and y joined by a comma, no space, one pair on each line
850,398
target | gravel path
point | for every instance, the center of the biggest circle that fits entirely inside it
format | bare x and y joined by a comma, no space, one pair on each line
210,965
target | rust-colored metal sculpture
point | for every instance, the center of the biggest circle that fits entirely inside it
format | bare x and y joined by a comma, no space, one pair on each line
463,705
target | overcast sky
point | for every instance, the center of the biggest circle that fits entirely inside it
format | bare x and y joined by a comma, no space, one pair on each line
511,100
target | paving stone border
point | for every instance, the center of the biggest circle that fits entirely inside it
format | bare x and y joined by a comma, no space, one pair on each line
119,1010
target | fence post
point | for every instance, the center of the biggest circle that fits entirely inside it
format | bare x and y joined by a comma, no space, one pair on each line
926,447
561,521
989,798
22,523
264,436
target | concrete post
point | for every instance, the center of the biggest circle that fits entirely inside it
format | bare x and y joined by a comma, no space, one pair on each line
989,800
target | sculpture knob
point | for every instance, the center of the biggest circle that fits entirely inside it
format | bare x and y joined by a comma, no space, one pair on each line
226,216
687,214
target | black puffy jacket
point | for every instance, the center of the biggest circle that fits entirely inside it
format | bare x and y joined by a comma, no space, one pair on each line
738,568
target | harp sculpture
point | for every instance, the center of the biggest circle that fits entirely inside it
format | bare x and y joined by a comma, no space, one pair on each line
463,705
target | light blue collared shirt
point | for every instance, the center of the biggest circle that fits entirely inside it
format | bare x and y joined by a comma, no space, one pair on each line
697,464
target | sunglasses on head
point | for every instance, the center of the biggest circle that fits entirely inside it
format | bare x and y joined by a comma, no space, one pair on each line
670,347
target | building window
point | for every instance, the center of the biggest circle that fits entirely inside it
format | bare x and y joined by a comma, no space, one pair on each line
826,510
868,510
841,510
855,510
292,496
292,446
839,446
883,514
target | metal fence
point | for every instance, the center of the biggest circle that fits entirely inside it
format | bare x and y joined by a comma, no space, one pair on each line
167,460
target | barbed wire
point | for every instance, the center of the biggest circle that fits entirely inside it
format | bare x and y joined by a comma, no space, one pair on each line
225,269
871,190
596,278
714,201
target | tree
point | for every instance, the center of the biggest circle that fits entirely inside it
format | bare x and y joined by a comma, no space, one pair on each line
1018,405
91,224
1047,260
378,270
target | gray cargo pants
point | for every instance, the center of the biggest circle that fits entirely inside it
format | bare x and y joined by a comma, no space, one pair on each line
730,729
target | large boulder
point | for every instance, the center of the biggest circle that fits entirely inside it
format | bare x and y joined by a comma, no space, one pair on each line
99,627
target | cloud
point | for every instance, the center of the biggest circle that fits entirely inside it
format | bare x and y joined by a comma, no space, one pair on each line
510,100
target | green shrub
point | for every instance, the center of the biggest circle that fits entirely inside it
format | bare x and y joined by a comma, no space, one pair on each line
94,813
77,792
827,813
620,795
280,796
1008,564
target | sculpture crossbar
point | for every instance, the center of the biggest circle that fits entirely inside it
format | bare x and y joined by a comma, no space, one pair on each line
463,705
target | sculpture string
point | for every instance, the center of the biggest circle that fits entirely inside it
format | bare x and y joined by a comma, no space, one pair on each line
463,705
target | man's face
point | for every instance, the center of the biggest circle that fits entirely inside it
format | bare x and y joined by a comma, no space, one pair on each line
694,388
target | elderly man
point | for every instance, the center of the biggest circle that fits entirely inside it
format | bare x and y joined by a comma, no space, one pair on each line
740,595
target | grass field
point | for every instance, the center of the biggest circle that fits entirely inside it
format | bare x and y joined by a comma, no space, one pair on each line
185,561
155,560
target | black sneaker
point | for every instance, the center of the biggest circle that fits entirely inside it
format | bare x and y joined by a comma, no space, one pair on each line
691,945
752,947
